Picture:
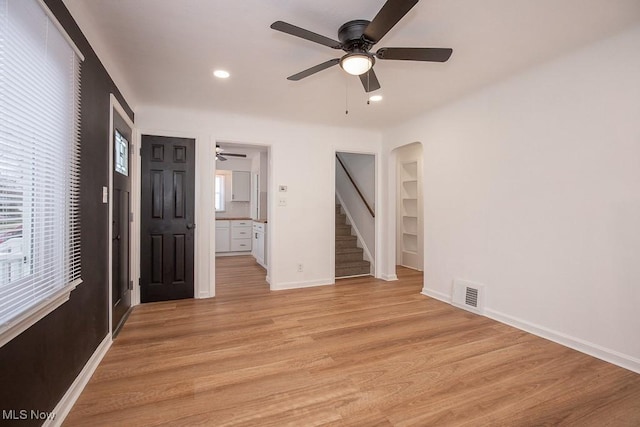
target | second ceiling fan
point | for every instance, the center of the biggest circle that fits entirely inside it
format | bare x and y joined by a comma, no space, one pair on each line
222,156
358,37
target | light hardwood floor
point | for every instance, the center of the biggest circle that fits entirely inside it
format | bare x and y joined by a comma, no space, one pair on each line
363,352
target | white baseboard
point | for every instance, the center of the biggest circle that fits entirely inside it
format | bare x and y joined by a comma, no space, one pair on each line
203,295
219,254
437,295
65,404
608,355
602,353
267,279
389,277
297,285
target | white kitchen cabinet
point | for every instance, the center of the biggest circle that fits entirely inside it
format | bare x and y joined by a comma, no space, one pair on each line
241,186
233,235
259,243
223,236
241,235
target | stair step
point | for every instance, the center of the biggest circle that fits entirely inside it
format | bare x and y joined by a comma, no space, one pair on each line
341,251
348,257
350,243
343,230
352,268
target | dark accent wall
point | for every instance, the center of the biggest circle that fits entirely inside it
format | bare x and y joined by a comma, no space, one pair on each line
38,366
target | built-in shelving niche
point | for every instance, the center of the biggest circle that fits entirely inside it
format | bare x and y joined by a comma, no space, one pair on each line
409,213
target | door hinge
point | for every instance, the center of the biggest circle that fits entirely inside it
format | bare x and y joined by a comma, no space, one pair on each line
130,285
130,216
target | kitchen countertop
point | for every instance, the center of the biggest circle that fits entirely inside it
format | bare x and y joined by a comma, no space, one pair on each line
262,221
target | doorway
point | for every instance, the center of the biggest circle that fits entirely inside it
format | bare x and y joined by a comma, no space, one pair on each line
409,206
167,218
241,200
355,217
121,216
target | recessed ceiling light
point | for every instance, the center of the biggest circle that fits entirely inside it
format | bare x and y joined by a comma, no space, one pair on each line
221,74
375,98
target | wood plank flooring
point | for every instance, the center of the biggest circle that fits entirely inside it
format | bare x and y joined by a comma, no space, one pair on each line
361,353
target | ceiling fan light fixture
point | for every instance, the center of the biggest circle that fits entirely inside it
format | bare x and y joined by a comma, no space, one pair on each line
357,63
221,74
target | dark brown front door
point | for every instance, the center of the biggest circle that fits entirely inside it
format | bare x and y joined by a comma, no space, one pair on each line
120,238
167,225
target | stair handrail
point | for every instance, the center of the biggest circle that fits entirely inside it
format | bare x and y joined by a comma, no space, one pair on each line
355,186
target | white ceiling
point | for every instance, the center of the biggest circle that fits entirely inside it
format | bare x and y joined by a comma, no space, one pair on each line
163,52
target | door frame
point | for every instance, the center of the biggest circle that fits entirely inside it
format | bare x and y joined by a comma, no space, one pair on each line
393,183
202,287
208,210
134,231
378,205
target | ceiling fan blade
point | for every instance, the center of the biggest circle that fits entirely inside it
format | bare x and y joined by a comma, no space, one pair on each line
389,15
370,81
305,34
313,70
222,159
235,155
431,54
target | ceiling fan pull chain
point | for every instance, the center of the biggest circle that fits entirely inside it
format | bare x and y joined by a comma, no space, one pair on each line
368,87
346,96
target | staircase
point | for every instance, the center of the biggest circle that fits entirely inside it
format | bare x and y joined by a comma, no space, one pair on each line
349,257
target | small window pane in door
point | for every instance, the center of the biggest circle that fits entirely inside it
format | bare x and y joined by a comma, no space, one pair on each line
121,154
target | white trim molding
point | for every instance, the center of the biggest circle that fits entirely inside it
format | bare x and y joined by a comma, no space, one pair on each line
134,227
586,347
597,351
437,295
65,404
389,277
30,317
298,285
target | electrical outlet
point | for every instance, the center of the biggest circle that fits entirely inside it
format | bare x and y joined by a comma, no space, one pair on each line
300,268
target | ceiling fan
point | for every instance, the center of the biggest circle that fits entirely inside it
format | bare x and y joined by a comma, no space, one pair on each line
357,37
223,156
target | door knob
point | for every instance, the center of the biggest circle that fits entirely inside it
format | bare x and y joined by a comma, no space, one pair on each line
191,226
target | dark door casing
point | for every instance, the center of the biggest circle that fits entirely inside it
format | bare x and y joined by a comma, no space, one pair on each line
120,239
167,223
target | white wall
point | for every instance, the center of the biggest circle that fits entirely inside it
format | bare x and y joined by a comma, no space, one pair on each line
532,187
301,157
362,168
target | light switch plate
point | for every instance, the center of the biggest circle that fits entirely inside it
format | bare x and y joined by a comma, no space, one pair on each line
282,188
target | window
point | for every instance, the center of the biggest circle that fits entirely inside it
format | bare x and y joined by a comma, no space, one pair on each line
219,198
39,165
121,146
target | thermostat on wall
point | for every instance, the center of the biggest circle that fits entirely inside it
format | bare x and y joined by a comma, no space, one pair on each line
282,188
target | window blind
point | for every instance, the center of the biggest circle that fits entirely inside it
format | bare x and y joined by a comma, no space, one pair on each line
39,160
